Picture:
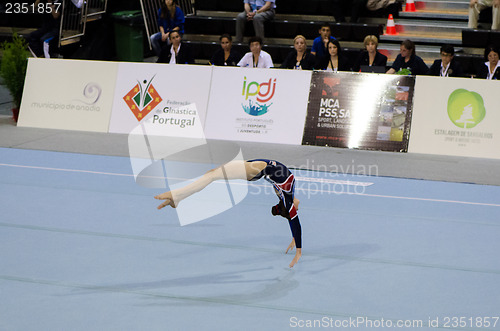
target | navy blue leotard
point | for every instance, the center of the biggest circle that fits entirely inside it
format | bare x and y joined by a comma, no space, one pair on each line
283,182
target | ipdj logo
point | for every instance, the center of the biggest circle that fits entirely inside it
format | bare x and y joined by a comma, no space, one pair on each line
466,109
142,98
258,95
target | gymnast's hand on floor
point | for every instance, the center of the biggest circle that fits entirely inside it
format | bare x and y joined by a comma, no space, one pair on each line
298,253
167,196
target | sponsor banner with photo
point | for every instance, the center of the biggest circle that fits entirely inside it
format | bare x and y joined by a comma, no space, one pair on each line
68,94
166,100
363,111
456,116
258,105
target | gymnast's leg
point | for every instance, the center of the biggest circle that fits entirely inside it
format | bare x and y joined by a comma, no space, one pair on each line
233,170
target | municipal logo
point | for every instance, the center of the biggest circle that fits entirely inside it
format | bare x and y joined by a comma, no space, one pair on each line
142,99
258,96
465,108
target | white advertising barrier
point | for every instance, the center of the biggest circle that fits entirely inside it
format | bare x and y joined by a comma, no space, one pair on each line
258,105
456,116
162,108
157,93
68,94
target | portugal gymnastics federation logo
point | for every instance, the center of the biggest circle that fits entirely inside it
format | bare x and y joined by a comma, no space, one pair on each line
466,109
258,96
142,99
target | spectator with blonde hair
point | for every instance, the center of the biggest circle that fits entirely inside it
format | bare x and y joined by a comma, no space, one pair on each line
370,56
299,58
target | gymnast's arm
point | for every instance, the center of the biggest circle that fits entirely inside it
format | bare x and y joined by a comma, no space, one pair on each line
297,239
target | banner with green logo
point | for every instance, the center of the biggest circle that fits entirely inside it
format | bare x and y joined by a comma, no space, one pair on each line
365,111
456,116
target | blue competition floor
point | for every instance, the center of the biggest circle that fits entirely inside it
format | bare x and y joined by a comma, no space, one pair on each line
83,247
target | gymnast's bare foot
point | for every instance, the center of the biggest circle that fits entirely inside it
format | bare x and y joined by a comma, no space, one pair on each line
169,201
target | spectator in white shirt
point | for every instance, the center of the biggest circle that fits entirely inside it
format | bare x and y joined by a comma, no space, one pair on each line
256,58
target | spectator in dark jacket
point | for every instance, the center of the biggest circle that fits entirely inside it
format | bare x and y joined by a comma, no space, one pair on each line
334,60
491,68
408,62
225,55
299,58
370,56
177,53
447,66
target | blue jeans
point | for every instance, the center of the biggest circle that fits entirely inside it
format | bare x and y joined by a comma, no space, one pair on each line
157,43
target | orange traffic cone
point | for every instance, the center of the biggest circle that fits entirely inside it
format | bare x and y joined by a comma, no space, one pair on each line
390,28
410,6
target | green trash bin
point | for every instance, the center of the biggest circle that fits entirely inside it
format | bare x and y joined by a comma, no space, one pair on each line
128,35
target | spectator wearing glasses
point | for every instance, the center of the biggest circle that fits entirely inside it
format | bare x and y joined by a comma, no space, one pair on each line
447,66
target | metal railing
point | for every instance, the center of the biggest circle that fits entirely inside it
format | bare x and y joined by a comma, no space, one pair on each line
187,7
73,22
74,17
96,7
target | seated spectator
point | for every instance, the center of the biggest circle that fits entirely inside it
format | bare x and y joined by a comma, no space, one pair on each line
491,68
299,58
257,11
226,55
170,18
407,62
370,56
476,6
256,58
447,66
380,8
334,60
319,43
39,40
177,53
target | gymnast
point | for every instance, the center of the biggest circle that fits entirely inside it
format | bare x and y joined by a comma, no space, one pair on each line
274,172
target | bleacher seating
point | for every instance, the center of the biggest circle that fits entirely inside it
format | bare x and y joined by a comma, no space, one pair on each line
281,28
215,17
480,38
294,17
309,7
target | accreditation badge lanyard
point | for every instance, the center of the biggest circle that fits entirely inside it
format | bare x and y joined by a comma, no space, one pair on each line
297,65
444,71
331,64
491,74
255,64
